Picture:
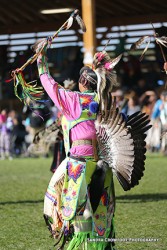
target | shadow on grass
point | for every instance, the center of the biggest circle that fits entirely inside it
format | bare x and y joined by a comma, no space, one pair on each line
21,202
135,198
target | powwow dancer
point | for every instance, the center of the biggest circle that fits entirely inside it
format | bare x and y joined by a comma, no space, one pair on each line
80,201
99,141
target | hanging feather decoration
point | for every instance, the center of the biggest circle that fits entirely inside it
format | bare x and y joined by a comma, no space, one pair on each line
75,15
41,44
81,23
46,42
141,41
71,19
138,43
122,143
162,40
69,23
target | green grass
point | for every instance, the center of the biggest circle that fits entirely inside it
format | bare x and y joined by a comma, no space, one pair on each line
140,213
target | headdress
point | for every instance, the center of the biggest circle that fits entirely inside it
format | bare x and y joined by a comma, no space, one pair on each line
103,67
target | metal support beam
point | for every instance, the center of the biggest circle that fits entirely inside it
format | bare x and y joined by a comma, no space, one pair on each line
89,37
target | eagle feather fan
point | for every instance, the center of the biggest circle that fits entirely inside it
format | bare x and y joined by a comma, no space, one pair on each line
122,143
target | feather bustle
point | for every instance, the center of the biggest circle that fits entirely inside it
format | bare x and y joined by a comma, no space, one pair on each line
122,143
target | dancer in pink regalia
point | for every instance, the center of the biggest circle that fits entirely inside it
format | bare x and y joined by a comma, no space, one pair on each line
99,141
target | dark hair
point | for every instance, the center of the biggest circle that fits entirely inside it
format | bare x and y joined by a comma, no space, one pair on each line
86,82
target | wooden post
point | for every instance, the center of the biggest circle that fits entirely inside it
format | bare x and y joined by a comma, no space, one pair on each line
89,37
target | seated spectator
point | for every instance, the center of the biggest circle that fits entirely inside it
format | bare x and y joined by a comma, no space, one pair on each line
147,102
121,100
132,104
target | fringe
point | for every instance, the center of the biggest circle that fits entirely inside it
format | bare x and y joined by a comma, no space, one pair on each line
58,188
77,240
84,242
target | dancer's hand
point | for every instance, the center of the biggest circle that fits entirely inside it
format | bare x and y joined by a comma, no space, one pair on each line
41,46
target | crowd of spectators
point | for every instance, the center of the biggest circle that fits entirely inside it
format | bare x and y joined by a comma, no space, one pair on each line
17,130
12,134
141,88
155,107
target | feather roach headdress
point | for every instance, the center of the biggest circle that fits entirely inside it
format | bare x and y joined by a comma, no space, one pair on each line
106,78
103,66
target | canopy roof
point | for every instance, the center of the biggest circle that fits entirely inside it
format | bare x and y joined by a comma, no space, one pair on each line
18,16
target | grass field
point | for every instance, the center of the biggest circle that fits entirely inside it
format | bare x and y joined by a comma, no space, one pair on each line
140,213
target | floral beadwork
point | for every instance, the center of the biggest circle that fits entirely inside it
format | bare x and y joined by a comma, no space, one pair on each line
67,211
74,171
